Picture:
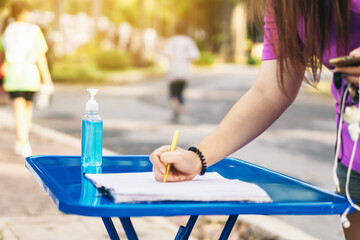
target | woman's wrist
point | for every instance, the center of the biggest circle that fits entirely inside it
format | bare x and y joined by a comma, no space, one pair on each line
47,79
200,160
196,163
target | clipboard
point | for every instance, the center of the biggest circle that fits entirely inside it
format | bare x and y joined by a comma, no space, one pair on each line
142,187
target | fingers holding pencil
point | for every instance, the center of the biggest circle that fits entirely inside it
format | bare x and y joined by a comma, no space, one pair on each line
172,148
161,164
155,159
184,164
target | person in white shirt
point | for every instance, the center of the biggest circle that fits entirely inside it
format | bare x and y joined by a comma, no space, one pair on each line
25,66
181,50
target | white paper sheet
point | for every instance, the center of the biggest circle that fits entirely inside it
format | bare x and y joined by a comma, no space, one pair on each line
139,187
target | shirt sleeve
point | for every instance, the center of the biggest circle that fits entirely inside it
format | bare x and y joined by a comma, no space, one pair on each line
194,51
270,38
41,46
168,47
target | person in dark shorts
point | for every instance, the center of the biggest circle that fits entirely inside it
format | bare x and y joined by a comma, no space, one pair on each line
25,68
176,95
28,96
181,50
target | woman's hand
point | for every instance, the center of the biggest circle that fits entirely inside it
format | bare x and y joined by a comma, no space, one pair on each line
50,87
352,73
185,165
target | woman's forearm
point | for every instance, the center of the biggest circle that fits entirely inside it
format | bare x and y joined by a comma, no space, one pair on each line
44,70
247,119
252,114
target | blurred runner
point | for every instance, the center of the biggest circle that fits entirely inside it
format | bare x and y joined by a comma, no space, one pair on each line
181,50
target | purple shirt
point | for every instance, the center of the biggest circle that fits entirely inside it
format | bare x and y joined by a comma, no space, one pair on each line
354,42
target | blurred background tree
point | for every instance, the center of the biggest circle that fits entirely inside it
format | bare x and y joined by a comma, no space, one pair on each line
3,3
89,31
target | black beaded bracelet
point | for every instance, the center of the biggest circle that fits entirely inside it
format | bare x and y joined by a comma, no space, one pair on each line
202,159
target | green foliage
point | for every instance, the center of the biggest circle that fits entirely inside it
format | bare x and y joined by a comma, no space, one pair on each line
70,71
253,61
75,72
113,60
206,59
119,11
85,53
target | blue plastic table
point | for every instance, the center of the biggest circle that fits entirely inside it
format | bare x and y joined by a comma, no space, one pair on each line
61,177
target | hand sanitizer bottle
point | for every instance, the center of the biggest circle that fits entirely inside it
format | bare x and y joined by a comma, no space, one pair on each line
91,133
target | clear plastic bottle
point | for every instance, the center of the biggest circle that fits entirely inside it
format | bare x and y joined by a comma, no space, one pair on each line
89,193
91,133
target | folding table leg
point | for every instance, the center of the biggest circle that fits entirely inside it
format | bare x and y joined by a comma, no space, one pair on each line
228,227
110,228
129,228
184,232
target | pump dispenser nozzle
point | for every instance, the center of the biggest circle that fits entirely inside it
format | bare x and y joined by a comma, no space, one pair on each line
91,104
91,133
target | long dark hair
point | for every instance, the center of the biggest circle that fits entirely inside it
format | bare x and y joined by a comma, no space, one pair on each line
317,16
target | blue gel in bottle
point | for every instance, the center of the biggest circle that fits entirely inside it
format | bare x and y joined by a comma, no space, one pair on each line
91,134
89,193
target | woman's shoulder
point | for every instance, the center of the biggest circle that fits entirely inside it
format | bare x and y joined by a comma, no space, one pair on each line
181,38
20,29
24,26
32,26
355,6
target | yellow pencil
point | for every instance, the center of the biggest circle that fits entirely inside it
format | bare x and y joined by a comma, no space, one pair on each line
172,148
